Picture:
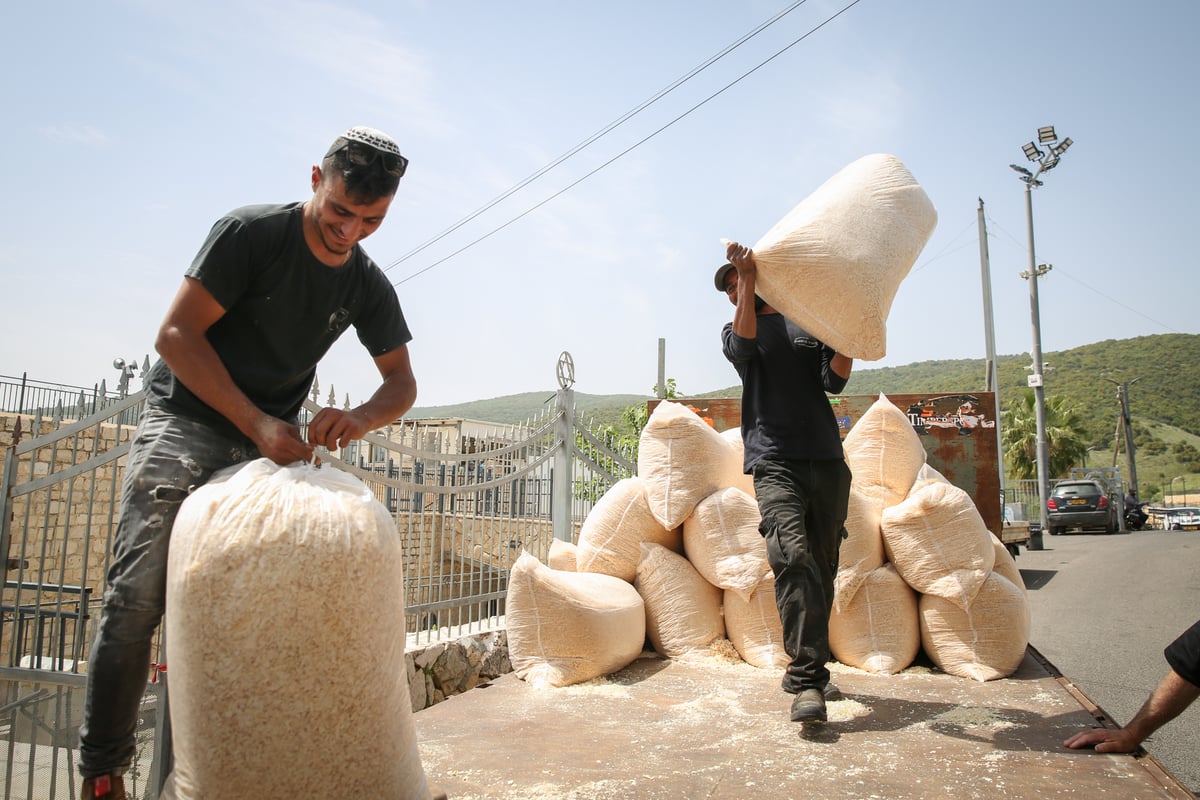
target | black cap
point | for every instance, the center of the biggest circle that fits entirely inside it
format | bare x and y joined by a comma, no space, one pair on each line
719,278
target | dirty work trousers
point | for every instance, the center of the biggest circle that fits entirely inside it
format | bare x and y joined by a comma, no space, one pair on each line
803,506
169,456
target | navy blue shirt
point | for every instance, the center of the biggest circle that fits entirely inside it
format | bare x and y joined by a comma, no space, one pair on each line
785,374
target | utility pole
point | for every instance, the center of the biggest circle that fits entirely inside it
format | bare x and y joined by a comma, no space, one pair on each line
989,342
1126,423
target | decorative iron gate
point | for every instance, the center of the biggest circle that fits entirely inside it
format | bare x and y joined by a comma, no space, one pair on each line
467,498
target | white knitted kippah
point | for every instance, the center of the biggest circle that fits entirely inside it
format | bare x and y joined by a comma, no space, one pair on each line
375,138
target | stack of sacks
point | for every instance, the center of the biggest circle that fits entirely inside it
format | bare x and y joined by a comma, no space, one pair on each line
569,627
611,536
834,263
683,610
874,625
563,627
682,460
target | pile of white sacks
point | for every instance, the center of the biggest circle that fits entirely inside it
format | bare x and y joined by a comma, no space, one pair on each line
674,554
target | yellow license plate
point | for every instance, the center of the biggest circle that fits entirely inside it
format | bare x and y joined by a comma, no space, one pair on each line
1076,501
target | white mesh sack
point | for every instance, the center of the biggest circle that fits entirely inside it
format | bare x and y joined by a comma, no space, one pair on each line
885,454
278,579
683,611
861,552
753,626
939,543
611,536
983,642
878,630
569,627
834,263
722,541
740,479
682,460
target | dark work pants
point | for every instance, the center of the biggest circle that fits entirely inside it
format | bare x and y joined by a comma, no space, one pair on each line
168,457
803,507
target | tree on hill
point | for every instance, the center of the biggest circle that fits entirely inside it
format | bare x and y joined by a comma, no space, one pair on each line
1066,441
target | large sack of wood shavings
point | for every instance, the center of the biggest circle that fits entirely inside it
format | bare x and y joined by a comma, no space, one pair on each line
611,536
683,611
279,579
562,556
740,479
1006,566
682,460
861,552
569,627
878,630
722,541
753,626
984,642
834,263
885,454
939,543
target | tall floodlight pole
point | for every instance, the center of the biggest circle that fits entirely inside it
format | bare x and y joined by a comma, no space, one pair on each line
1046,160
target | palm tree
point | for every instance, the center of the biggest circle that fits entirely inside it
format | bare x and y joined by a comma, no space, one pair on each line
1065,436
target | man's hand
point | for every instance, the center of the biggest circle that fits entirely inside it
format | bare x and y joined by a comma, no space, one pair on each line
334,429
280,442
741,257
1105,740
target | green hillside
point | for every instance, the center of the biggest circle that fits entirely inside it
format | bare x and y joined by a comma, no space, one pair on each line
1163,373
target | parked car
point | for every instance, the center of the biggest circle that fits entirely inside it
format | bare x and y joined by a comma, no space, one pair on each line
1081,504
1183,518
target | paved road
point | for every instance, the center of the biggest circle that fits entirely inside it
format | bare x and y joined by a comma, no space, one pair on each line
1104,607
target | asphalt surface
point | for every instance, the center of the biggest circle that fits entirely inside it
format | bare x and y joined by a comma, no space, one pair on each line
1103,608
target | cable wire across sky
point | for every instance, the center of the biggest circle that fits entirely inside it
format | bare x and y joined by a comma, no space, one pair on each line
658,96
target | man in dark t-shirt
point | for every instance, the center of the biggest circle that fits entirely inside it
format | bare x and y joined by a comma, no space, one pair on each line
270,291
801,480
1178,689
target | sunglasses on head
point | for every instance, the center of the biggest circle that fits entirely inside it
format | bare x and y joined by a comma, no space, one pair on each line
364,155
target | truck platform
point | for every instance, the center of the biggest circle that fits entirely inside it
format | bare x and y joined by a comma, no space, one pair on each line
716,727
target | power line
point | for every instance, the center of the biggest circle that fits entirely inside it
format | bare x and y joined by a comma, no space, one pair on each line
632,147
598,134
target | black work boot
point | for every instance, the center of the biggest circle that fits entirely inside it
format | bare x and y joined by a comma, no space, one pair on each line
809,706
832,693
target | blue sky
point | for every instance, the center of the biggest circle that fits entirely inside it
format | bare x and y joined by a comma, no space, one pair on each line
131,126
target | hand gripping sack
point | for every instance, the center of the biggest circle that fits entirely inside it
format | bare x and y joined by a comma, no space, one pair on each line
285,640
569,627
834,263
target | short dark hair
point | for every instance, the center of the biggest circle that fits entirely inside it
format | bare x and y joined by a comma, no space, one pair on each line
364,182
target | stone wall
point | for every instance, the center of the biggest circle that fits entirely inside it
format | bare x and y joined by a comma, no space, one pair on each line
444,669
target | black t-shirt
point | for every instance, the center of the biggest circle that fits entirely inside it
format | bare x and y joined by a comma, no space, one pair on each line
284,309
785,374
1183,655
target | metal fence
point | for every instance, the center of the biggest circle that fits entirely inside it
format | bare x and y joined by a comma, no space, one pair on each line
467,497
